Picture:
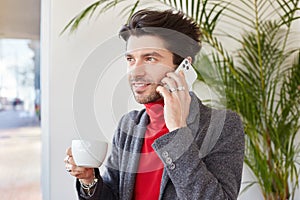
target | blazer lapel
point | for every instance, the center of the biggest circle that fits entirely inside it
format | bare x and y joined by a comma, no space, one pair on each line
134,156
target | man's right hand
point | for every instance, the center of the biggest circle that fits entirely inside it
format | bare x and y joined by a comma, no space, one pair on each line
86,175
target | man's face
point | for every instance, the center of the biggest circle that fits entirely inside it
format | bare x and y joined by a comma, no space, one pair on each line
148,61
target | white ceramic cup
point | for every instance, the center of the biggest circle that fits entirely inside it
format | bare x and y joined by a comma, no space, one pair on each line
89,153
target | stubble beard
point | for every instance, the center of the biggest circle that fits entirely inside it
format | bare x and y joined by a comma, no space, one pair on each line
152,97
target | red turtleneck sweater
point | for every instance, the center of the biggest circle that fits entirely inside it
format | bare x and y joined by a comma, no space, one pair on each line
148,178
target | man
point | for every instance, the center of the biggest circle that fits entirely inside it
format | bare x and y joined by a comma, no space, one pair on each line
157,152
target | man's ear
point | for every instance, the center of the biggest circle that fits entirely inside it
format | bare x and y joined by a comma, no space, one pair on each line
189,59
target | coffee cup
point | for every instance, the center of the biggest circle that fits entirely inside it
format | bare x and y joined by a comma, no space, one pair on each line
89,153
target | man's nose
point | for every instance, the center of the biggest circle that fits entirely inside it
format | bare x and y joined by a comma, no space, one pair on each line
138,69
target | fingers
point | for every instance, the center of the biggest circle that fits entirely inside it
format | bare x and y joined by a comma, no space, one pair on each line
80,172
182,82
74,170
174,83
177,79
68,164
69,161
69,151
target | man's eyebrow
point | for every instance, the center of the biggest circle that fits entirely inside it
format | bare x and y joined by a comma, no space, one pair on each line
154,53
128,55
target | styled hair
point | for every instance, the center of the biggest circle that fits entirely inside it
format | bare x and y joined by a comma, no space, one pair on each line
181,34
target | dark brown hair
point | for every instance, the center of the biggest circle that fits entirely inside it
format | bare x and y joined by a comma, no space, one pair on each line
181,34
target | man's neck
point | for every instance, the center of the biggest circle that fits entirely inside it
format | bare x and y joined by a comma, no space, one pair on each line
155,110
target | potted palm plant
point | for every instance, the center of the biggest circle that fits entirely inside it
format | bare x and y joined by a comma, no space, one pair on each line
259,78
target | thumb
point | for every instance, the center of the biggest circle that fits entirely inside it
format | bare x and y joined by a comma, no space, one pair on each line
69,151
163,92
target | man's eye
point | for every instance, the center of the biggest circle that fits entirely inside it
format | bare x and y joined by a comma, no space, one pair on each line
129,59
150,59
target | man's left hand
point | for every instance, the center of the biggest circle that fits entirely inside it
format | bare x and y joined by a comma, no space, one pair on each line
177,100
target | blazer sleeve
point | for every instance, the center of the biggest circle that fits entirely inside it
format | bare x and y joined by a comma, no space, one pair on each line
216,176
117,180
107,187
101,191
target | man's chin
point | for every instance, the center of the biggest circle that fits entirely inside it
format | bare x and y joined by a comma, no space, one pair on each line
141,99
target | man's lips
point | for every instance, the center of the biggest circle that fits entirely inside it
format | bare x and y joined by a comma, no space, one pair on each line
140,86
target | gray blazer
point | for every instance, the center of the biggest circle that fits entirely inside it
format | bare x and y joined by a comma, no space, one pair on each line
202,161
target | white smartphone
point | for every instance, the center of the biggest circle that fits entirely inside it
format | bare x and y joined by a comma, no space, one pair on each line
189,72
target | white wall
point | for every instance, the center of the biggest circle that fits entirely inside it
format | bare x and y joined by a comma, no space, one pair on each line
63,60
